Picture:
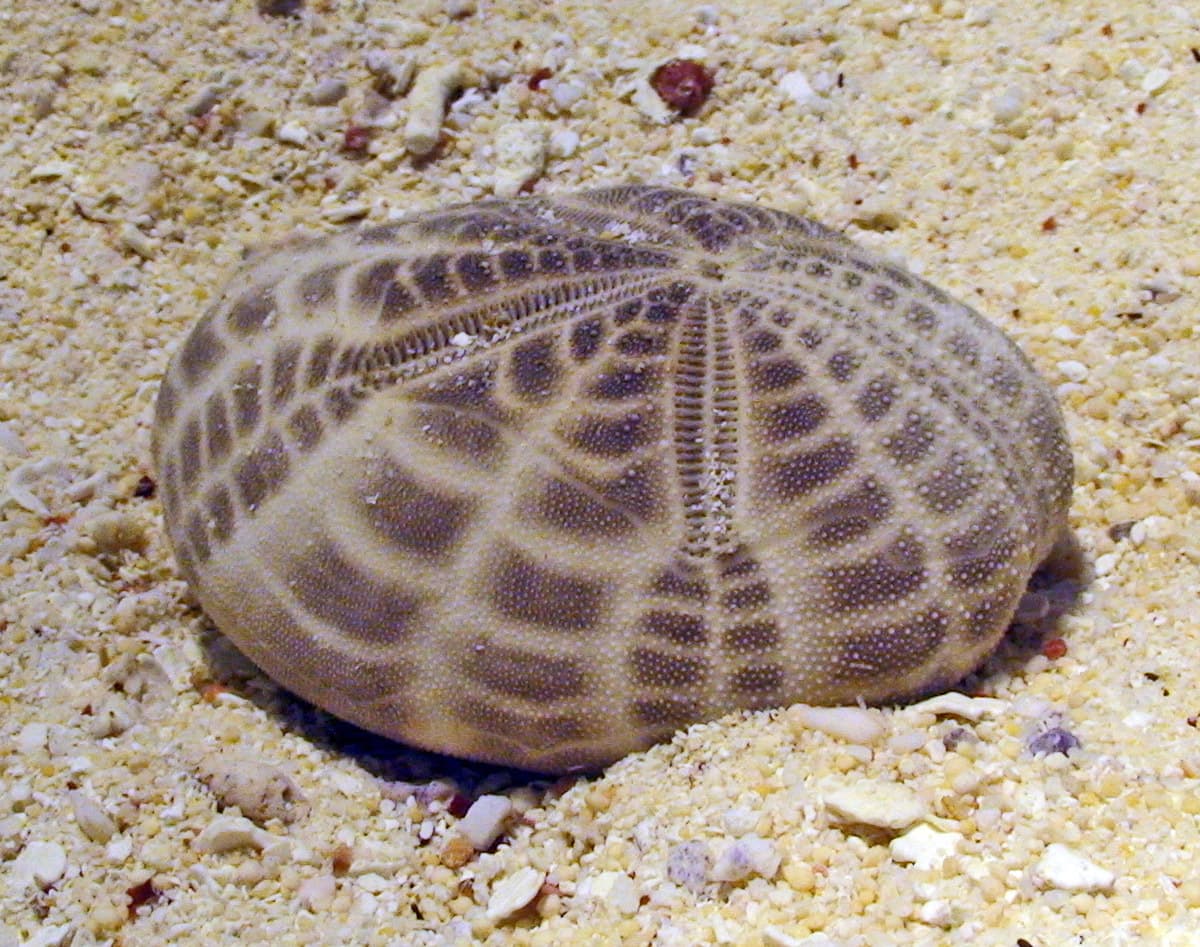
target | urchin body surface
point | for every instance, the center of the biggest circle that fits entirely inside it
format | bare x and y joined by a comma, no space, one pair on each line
539,481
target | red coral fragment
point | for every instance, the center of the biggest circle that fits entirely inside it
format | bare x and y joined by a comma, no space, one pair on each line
683,84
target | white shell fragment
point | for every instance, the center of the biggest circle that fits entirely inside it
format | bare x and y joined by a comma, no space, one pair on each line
924,847
852,724
41,863
228,832
884,805
485,820
955,704
1066,870
514,892
93,821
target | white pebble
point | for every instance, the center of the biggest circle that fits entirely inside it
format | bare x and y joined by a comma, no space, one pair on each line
293,133
461,340
1155,79
514,892
796,87
739,820
32,738
1062,868
852,724
884,805
563,143
566,93
936,913
1009,104
1073,370
41,863
745,857
427,106
485,820
1106,563
956,704
91,818
328,92
924,847
226,833
317,893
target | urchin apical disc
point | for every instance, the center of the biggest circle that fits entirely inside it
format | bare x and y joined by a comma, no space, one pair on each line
539,481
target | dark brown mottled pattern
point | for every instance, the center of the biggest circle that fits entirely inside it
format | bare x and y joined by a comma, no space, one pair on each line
520,588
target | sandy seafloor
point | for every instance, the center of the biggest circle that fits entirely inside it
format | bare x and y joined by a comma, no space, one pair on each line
1038,160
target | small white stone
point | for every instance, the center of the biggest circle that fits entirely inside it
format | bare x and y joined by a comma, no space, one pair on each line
614,888
93,821
1062,868
293,133
566,93
1155,79
956,704
511,894
1106,563
50,170
32,738
924,847
328,92
937,913
461,339
1009,104
1073,370
852,724
884,805
1064,334
739,820
225,833
745,857
41,863
796,87
485,820
563,143
317,893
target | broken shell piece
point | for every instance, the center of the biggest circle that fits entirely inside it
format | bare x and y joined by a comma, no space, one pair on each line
516,891
1065,869
884,805
852,724
954,704
924,847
